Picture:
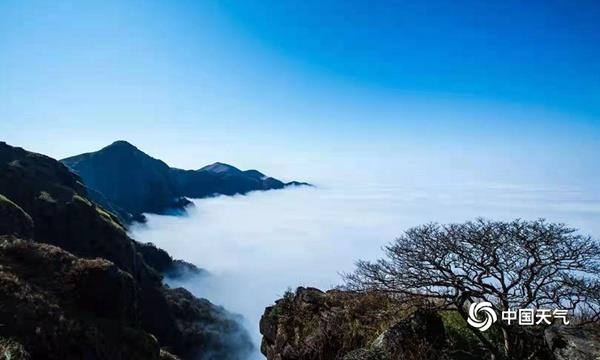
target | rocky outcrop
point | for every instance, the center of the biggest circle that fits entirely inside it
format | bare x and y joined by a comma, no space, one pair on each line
313,325
421,335
574,342
130,182
116,291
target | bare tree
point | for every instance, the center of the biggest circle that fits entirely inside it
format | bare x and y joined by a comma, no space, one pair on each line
512,265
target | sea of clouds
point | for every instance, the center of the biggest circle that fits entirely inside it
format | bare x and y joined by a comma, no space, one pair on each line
257,246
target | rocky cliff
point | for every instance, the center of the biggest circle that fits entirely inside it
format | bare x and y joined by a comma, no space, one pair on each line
73,284
310,324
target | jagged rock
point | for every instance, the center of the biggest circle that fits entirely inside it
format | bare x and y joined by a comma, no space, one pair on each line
574,342
311,324
10,349
420,336
365,354
165,355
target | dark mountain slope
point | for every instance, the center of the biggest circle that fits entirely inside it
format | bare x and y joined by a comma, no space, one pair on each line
58,306
56,200
131,182
41,201
128,178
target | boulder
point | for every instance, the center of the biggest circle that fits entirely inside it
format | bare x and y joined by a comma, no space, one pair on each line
574,342
420,336
315,325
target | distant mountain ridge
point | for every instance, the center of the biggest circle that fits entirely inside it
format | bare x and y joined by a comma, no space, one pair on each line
129,182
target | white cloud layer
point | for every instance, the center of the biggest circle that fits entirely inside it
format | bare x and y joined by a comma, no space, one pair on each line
260,244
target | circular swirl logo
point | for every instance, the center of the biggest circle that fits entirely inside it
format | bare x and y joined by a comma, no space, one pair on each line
482,315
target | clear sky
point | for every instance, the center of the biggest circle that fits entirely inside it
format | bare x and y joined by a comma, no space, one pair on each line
493,91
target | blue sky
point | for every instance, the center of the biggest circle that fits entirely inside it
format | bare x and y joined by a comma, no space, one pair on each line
503,91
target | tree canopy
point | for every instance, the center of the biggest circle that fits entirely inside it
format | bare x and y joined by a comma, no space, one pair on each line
513,265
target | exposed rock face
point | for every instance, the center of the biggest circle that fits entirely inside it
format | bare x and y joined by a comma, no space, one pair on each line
419,336
314,325
129,182
311,324
574,343
95,280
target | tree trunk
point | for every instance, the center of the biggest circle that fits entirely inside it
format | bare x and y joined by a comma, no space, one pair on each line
507,344
505,333
496,354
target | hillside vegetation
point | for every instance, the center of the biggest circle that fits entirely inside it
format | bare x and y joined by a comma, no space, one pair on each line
74,285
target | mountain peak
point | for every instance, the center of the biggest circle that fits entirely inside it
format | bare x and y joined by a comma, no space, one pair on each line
121,144
130,182
220,167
